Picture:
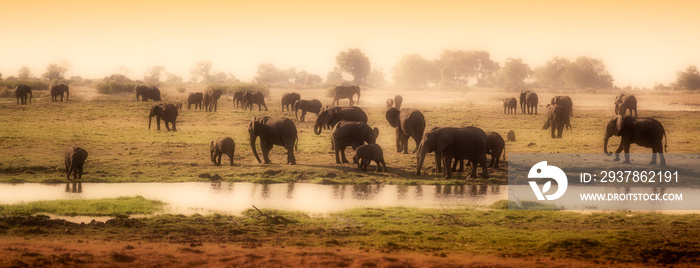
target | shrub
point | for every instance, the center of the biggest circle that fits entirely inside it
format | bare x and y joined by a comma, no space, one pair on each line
180,89
35,84
113,87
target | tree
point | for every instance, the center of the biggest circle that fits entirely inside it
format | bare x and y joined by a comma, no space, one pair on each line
201,72
24,73
514,73
456,66
152,75
354,62
172,78
334,77
690,79
376,78
414,71
587,72
552,73
57,71
483,66
267,74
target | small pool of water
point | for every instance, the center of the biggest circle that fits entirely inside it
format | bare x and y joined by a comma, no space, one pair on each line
233,198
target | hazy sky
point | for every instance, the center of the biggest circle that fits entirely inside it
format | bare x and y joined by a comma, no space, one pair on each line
641,42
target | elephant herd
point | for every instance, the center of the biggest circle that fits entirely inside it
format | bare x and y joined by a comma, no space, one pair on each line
646,132
349,127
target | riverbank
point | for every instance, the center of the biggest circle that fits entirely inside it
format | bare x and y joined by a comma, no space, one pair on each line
358,236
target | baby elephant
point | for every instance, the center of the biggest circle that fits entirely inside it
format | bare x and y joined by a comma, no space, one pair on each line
75,158
368,153
511,135
219,146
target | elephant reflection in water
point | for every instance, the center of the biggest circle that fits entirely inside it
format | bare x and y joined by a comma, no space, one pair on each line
477,190
366,191
338,191
216,186
75,187
401,191
290,190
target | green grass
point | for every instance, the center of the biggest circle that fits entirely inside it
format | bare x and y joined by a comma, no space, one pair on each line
601,237
94,207
113,129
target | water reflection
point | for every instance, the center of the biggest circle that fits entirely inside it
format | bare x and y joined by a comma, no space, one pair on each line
233,198
75,187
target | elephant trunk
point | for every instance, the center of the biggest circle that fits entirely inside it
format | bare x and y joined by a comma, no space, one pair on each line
252,147
358,97
149,121
421,158
317,129
605,146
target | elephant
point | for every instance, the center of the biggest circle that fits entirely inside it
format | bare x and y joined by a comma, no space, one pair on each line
497,147
220,146
398,100
351,133
195,98
510,105
346,92
21,93
389,103
454,143
58,90
332,115
564,101
288,100
211,99
511,135
167,112
557,119
368,153
147,93
75,159
409,123
238,99
528,100
645,132
623,102
273,131
313,106
254,97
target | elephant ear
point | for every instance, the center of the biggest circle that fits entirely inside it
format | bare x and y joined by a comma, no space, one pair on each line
392,115
444,139
251,127
619,122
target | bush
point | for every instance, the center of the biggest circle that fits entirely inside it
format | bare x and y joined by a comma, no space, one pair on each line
35,84
112,87
6,92
240,86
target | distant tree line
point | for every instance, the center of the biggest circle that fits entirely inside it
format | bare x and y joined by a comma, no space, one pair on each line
452,69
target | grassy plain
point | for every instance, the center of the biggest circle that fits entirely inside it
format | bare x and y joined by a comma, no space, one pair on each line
113,129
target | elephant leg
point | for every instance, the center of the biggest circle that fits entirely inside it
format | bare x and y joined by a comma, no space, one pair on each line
551,122
661,155
560,128
404,143
438,163
174,126
484,168
230,158
627,153
342,154
303,115
337,152
218,158
453,168
447,158
653,156
398,140
264,106
291,160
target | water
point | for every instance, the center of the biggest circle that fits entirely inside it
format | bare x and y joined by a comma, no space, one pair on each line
233,198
